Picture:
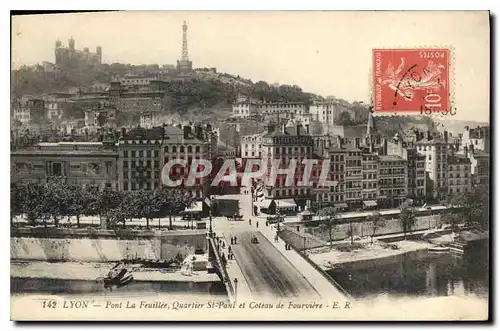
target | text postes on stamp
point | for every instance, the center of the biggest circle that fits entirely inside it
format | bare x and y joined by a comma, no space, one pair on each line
411,80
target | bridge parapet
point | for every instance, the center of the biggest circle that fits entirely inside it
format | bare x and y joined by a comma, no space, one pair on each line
216,261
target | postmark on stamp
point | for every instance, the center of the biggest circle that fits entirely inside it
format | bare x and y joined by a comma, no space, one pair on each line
411,80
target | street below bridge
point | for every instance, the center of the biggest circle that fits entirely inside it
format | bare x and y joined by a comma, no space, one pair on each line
267,271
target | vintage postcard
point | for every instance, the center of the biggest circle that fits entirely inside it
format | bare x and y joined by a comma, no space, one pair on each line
263,166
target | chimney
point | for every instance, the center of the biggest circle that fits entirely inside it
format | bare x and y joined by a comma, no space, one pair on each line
466,151
270,128
384,146
298,129
199,132
445,136
123,132
467,128
187,131
356,142
307,128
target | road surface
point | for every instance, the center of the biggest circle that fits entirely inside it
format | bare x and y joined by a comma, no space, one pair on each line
267,271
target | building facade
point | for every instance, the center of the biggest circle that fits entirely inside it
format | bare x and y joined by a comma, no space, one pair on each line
393,187
77,163
436,152
279,147
144,152
478,137
459,174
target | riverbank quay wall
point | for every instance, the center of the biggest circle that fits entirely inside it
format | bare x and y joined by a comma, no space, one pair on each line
53,244
364,227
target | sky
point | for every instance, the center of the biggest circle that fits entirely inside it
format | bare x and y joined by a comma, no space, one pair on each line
327,53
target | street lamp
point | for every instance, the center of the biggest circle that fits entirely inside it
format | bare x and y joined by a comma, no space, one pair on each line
235,289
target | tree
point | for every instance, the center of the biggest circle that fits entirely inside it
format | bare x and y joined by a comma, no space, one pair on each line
377,222
329,218
57,200
108,205
344,119
474,205
407,218
15,201
350,233
78,203
32,201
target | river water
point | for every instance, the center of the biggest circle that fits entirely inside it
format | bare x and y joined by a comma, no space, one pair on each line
20,285
418,274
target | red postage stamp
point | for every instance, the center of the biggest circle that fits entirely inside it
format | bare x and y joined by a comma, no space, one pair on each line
411,80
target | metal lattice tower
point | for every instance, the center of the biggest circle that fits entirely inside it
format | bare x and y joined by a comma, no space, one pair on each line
185,56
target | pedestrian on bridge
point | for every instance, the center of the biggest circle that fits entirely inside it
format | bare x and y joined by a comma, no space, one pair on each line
257,223
249,221
223,244
223,260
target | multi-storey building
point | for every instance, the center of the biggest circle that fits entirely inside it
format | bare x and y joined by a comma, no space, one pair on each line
245,109
149,118
280,147
251,146
369,191
334,195
28,110
327,111
436,152
480,166
77,163
416,174
353,177
478,137
288,109
459,174
392,183
144,152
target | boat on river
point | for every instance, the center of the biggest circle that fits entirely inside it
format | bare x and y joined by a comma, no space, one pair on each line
118,276
439,249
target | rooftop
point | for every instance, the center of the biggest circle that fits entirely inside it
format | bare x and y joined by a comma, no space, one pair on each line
388,158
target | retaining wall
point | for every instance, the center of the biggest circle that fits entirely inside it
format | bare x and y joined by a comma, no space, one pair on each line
366,228
161,247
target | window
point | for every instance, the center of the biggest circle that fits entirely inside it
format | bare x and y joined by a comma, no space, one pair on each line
190,149
141,153
125,186
125,164
156,153
197,149
125,153
166,149
56,169
148,153
174,149
132,153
